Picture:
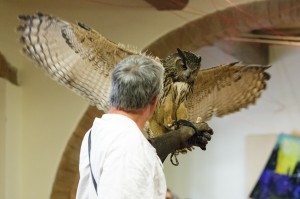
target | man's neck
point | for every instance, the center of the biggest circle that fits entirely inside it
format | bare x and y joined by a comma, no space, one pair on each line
140,116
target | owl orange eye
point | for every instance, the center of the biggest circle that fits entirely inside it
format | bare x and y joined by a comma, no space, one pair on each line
181,64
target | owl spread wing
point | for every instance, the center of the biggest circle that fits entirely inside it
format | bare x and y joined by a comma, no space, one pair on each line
81,59
225,89
74,55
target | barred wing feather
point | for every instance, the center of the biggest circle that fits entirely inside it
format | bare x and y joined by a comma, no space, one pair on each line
74,55
225,89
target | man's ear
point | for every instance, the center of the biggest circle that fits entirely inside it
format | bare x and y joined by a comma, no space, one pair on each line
154,100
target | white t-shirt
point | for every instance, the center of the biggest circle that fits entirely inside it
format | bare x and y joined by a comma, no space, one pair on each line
124,164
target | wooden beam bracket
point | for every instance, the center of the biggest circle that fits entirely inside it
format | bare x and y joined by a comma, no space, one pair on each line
168,4
7,71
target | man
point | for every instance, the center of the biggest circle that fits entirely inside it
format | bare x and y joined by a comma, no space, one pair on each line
116,160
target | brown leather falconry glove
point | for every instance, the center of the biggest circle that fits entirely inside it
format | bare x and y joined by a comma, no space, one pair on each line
185,135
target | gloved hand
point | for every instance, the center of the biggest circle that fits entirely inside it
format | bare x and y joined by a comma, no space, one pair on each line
199,137
202,136
185,135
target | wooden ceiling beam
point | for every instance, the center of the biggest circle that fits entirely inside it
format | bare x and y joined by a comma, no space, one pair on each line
168,4
7,71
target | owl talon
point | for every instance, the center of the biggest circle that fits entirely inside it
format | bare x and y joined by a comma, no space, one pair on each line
179,123
173,125
202,134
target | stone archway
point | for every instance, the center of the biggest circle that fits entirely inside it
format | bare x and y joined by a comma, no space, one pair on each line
67,176
229,22
194,35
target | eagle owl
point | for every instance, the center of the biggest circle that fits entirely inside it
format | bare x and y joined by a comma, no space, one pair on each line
181,71
81,59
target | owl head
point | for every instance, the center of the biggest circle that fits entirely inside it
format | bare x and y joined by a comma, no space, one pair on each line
182,66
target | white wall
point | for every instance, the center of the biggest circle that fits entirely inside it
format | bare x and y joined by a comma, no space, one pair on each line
221,171
38,119
13,141
50,114
2,137
10,140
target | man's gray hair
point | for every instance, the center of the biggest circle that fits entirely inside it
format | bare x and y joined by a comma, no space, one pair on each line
136,80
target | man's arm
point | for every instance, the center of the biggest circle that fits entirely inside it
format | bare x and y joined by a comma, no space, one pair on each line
183,137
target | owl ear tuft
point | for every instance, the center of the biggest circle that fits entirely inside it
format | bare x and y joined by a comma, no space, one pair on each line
199,59
182,56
